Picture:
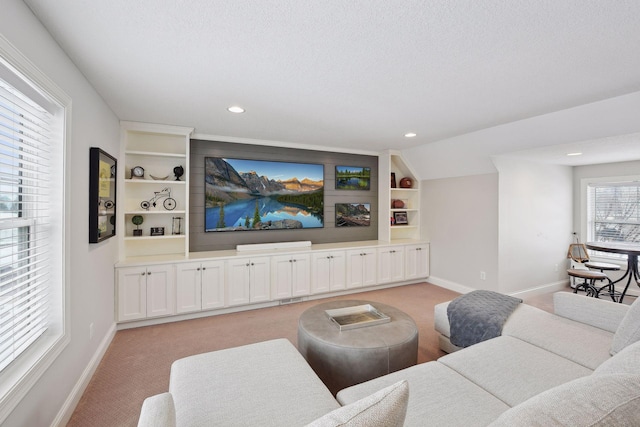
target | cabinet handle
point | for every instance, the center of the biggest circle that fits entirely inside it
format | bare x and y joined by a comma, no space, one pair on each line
204,268
143,273
148,273
290,260
252,264
198,269
329,257
248,264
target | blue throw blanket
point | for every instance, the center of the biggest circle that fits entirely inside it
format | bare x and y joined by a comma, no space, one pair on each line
479,316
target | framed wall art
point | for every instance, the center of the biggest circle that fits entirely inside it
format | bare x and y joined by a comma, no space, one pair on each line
353,214
102,195
353,178
400,218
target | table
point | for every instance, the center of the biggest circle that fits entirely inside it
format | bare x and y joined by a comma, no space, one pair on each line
631,250
348,357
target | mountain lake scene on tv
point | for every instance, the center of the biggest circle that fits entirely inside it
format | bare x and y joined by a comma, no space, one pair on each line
244,195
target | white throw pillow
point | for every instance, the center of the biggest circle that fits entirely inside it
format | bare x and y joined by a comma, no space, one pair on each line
386,407
629,330
594,400
625,362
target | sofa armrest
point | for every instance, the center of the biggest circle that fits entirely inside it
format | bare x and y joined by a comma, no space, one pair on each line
596,312
158,411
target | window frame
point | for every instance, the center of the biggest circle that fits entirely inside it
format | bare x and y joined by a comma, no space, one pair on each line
22,374
584,210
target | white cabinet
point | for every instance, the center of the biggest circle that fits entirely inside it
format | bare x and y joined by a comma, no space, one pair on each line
361,268
416,261
156,196
390,264
145,292
290,276
247,280
328,272
200,286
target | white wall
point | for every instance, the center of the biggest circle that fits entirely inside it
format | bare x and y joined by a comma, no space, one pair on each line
460,219
91,276
535,223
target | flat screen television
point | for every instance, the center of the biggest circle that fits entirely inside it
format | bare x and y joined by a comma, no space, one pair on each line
253,195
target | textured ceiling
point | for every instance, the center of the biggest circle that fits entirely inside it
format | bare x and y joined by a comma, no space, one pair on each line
356,74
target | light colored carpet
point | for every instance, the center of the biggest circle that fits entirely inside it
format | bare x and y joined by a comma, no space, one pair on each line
137,363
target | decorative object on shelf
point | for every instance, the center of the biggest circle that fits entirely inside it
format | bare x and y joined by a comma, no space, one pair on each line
393,180
176,225
353,214
169,203
353,178
102,192
393,221
157,231
400,218
406,182
397,204
137,220
178,171
137,172
158,178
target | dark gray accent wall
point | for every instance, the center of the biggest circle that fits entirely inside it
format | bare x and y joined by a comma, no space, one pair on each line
211,241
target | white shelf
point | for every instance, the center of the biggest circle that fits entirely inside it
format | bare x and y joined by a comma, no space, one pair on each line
152,181
169,236
154,212
155,154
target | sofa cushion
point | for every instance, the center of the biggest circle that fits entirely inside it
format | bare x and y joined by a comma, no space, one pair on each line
386,407
511,369
596,400
158,410
438,396
626,361
629,330
265,384
580,343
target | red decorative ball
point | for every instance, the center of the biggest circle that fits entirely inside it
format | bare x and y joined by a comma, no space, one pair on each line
397,204
406,183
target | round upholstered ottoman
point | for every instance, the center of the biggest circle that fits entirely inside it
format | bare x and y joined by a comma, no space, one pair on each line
344,357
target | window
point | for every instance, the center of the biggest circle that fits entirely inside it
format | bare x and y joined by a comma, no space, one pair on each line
613,212
33,225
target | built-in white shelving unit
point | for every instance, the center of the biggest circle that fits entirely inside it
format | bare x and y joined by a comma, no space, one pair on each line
390,162
158,149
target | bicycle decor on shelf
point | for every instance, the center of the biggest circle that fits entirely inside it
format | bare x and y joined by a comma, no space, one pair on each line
169,203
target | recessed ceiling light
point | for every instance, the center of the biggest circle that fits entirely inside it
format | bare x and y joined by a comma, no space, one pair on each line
236,109
574,154
410,135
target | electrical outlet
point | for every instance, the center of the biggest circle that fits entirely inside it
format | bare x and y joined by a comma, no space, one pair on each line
91,331
483,275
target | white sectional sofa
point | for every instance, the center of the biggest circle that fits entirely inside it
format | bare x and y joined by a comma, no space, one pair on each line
577,367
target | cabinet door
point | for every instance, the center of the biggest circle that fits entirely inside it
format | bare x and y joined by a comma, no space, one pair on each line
416,261
282,276
212,284
338,271
370,263
301,275
260,280
132,293
321,273
160,290
355,267
238,280
390,264
188,289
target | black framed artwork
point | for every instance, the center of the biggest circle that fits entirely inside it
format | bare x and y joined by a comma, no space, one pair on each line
102,195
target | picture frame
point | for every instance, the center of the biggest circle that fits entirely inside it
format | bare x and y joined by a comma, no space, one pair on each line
400,218
353,178
157,231
102,195
393,180
353,214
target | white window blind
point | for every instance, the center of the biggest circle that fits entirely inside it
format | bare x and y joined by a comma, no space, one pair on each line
24,222
614,212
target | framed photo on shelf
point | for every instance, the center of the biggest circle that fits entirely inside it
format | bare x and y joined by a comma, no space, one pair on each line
102,195
157,231
400,218
393,180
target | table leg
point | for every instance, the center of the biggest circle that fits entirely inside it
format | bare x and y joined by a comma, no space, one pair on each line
632,273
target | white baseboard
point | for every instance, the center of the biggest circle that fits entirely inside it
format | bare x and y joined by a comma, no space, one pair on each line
452,286
64,415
